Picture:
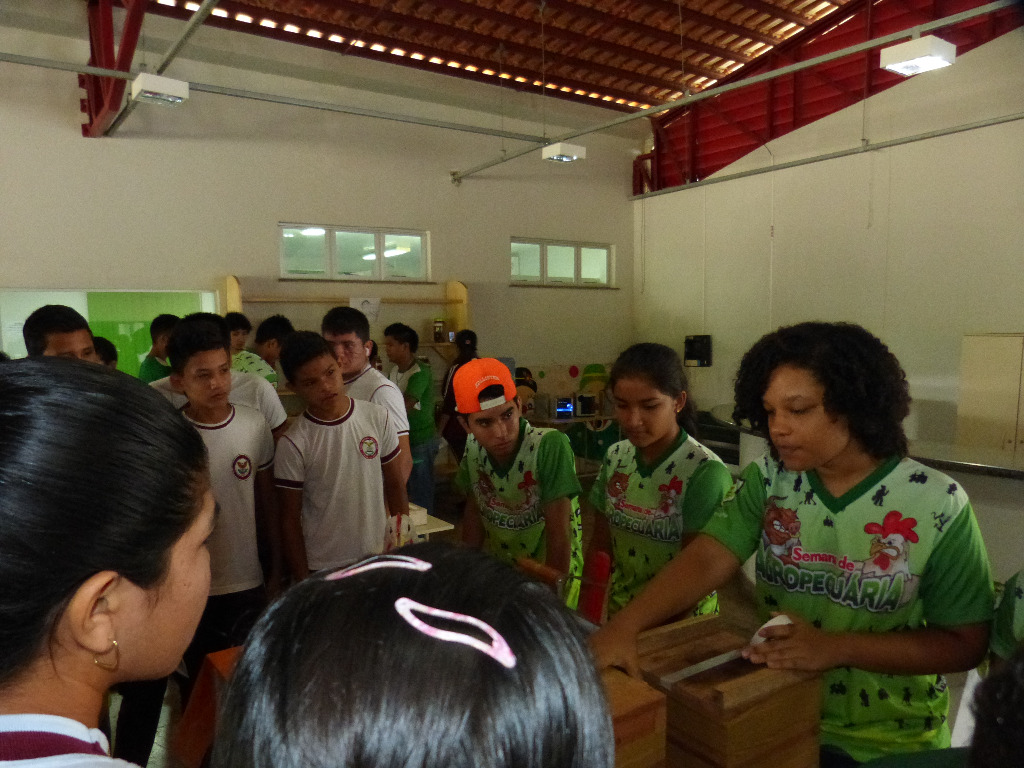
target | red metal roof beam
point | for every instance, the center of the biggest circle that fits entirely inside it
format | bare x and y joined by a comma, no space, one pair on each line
103,94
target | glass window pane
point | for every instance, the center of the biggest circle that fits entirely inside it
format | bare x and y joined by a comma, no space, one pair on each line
561,263
356,255
303,251
404,258
594,265
526,262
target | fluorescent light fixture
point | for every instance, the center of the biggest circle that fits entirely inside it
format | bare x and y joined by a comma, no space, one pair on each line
563,152
158,90
313,231
370,257
921,54
397,251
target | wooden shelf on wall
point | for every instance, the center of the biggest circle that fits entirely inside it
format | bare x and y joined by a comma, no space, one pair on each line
455,299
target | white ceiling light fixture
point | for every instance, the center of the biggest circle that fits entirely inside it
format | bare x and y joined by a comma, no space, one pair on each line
563,152
919,54
159,90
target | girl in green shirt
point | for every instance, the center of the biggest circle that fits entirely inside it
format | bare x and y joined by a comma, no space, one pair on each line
660,485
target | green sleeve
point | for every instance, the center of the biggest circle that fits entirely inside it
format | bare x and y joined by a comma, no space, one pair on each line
557,468
462,475
151,370
1008,627
705,491
598,497
737,522
418,386
957,583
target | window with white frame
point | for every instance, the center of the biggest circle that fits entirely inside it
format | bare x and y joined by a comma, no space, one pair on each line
551,262
317,252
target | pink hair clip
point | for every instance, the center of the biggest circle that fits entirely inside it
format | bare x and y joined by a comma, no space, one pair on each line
381,561
497,649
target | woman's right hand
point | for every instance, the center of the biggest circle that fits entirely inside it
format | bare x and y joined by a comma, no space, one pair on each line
614,645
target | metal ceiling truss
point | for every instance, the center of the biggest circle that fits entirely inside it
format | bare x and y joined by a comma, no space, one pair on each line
103,94
997,17
700,139
624,56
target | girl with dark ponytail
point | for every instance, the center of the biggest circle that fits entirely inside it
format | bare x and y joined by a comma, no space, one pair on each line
105,509
659,486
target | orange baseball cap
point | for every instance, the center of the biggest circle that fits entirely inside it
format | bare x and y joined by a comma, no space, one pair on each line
474,377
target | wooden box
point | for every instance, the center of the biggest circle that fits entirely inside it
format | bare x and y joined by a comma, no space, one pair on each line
638,718
738,715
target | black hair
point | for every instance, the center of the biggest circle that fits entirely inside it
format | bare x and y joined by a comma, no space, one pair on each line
162,324
237,322
301,347
199,332
524,378
342,320
51,318
863,381
105,349
374,352
4,357
661,367
998,740
333,676
403,334
276,327
110,484
465,343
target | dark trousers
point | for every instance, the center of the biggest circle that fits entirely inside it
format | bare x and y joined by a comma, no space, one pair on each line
226,622
141,702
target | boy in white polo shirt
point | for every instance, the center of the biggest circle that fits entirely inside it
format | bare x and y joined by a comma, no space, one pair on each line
241,454
330,465
348,332
520,481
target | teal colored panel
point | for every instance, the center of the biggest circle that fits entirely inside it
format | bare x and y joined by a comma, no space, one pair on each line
124,318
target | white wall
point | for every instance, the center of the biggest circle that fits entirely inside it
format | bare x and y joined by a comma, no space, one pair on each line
920,243
181,198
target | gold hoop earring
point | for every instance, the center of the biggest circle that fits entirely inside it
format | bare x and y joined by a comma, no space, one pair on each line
106,666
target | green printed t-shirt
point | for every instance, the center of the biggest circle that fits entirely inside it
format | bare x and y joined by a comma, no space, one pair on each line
650,508
511,499
249,362
152,370
899,551
418,383
1008,627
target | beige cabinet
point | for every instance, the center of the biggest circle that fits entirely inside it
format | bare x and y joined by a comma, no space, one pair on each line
990,408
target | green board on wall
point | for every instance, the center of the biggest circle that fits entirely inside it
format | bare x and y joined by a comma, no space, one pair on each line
124,318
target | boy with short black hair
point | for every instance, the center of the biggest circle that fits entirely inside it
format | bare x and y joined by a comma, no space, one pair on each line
416,382
348,332
55,330
243,360
105,351
270,337
330,463
240,328
155,365
241,454
520,481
